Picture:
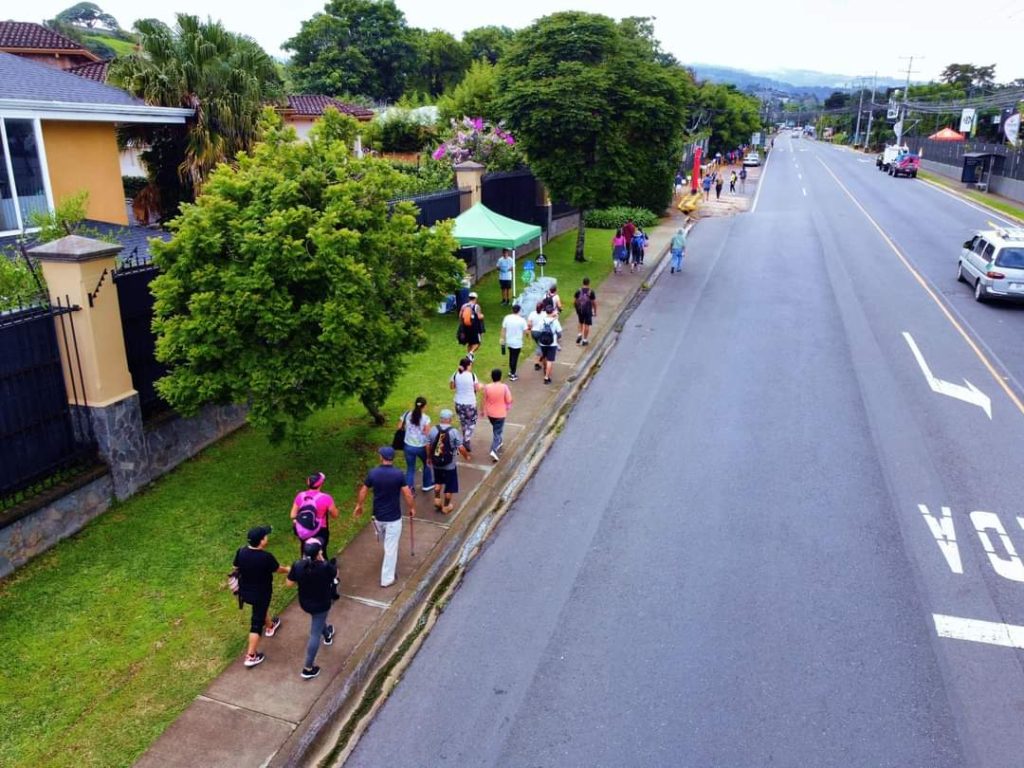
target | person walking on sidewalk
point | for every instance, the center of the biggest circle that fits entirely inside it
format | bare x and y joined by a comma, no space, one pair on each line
512,329
505,267
465,384
445,447
620,251
316,579
743,179
533,325
256,569
416,424
471,324
732,182
550,333
718,187
388,484
678,249
497,401
706,185
585,303
311,512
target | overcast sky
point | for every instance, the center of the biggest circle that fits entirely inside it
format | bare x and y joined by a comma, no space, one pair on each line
848,38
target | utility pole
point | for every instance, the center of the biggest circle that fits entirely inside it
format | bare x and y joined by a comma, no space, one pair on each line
860,110
871,111
902,115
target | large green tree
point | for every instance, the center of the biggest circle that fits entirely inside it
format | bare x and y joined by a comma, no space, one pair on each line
593,110
441,61
475,96
487,42
224,77
292,282
358,47
734,116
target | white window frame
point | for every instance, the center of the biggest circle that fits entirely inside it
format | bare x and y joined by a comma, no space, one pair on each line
8,168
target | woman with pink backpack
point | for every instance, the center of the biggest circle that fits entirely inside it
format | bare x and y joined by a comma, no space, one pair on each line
311,512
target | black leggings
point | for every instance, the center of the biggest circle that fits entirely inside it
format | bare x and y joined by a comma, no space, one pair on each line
260,606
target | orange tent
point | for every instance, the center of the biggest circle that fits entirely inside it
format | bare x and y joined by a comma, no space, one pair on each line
947,134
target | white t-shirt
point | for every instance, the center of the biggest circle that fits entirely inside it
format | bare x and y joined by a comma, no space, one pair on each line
533,319
465,387
552,320
514,326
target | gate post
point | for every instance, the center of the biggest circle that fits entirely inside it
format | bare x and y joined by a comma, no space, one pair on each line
469,175
79,271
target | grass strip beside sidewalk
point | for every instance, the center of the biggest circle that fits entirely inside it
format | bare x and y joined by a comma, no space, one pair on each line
112,633
1000,204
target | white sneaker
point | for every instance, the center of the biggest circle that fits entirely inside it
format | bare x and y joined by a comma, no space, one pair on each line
494,456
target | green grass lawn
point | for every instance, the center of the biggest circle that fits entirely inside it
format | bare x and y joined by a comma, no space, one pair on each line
120,47
111,634
986,199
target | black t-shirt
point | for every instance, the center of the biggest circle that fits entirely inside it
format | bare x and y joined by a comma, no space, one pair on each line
256,568
589,309
316,583
387,483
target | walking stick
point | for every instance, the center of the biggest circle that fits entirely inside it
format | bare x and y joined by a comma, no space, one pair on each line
412,535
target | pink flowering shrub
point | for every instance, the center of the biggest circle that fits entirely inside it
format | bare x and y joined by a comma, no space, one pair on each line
474,138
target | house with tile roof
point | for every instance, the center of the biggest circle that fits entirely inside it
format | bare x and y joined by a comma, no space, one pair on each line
301,110
42,45
57,137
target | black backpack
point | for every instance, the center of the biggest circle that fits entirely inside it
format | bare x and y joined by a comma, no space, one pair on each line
442,449
546,337
583,300
547,304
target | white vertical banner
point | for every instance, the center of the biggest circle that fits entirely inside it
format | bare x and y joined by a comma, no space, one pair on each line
967,117
1011,128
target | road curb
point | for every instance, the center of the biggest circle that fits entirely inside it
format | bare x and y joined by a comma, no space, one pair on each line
347,705
971,200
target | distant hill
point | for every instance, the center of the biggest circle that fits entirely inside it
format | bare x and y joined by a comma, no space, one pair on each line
796,82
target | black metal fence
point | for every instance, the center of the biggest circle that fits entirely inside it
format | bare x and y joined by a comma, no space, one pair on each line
514,194
437,206
132,279
952,153
43,436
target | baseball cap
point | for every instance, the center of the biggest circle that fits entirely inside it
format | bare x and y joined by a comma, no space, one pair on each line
386,452
472,295
312,547
445,414
256,534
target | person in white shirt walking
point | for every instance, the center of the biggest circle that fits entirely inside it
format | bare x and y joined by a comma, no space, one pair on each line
512,329
505,267
548,333
465,384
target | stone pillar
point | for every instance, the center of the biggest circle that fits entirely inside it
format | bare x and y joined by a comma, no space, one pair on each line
469,175
79,271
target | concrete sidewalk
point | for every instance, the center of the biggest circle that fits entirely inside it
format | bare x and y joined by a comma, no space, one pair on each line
268,715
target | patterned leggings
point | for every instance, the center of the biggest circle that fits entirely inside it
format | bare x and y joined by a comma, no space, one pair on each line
467,420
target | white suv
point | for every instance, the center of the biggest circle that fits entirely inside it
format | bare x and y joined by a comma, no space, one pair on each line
993,262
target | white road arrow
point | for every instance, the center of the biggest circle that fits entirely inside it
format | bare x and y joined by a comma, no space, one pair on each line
969,394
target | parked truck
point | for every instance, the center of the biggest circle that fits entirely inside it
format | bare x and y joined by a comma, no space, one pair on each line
891,152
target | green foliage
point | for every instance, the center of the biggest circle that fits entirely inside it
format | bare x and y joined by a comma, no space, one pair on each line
616,216
427,176
600,119
227,78
133,185
400,130
87,15
734,116
18,287
66,219
441,61
291,284
475,139
968,75
354,46
487,43
474,96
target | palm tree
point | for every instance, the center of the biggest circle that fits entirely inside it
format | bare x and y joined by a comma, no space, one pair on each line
224,77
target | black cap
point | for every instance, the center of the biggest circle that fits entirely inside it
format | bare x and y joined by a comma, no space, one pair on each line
312,547
257,534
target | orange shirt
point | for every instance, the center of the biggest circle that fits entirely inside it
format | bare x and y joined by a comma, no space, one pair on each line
497,399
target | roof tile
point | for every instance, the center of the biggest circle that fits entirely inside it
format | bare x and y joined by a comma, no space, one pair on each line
28,35
94,70
24,79
314,104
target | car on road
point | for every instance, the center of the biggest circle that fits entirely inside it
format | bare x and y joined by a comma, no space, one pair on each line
753,158
906,164
886,158
796,133
992,261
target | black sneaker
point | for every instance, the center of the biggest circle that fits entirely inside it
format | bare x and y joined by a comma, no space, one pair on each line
308,673
579,338
329,635
252,661
536,366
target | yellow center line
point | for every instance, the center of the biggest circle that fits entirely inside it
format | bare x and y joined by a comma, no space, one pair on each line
939,302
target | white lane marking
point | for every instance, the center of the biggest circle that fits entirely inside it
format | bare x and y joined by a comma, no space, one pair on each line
999,379
944,531
760,183
978,631
804,191
969,394
989,211
1009,567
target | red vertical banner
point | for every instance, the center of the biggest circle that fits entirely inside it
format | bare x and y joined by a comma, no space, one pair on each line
695,178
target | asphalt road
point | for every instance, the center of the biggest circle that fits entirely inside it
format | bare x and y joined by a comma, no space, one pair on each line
736,553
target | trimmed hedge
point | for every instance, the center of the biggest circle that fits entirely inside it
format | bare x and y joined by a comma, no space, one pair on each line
615,217
133,185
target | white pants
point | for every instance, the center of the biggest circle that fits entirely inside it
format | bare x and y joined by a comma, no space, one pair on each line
391,535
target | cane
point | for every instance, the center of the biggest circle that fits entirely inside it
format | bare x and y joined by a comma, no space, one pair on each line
412,536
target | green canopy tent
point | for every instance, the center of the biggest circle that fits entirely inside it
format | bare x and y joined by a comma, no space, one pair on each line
480,226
